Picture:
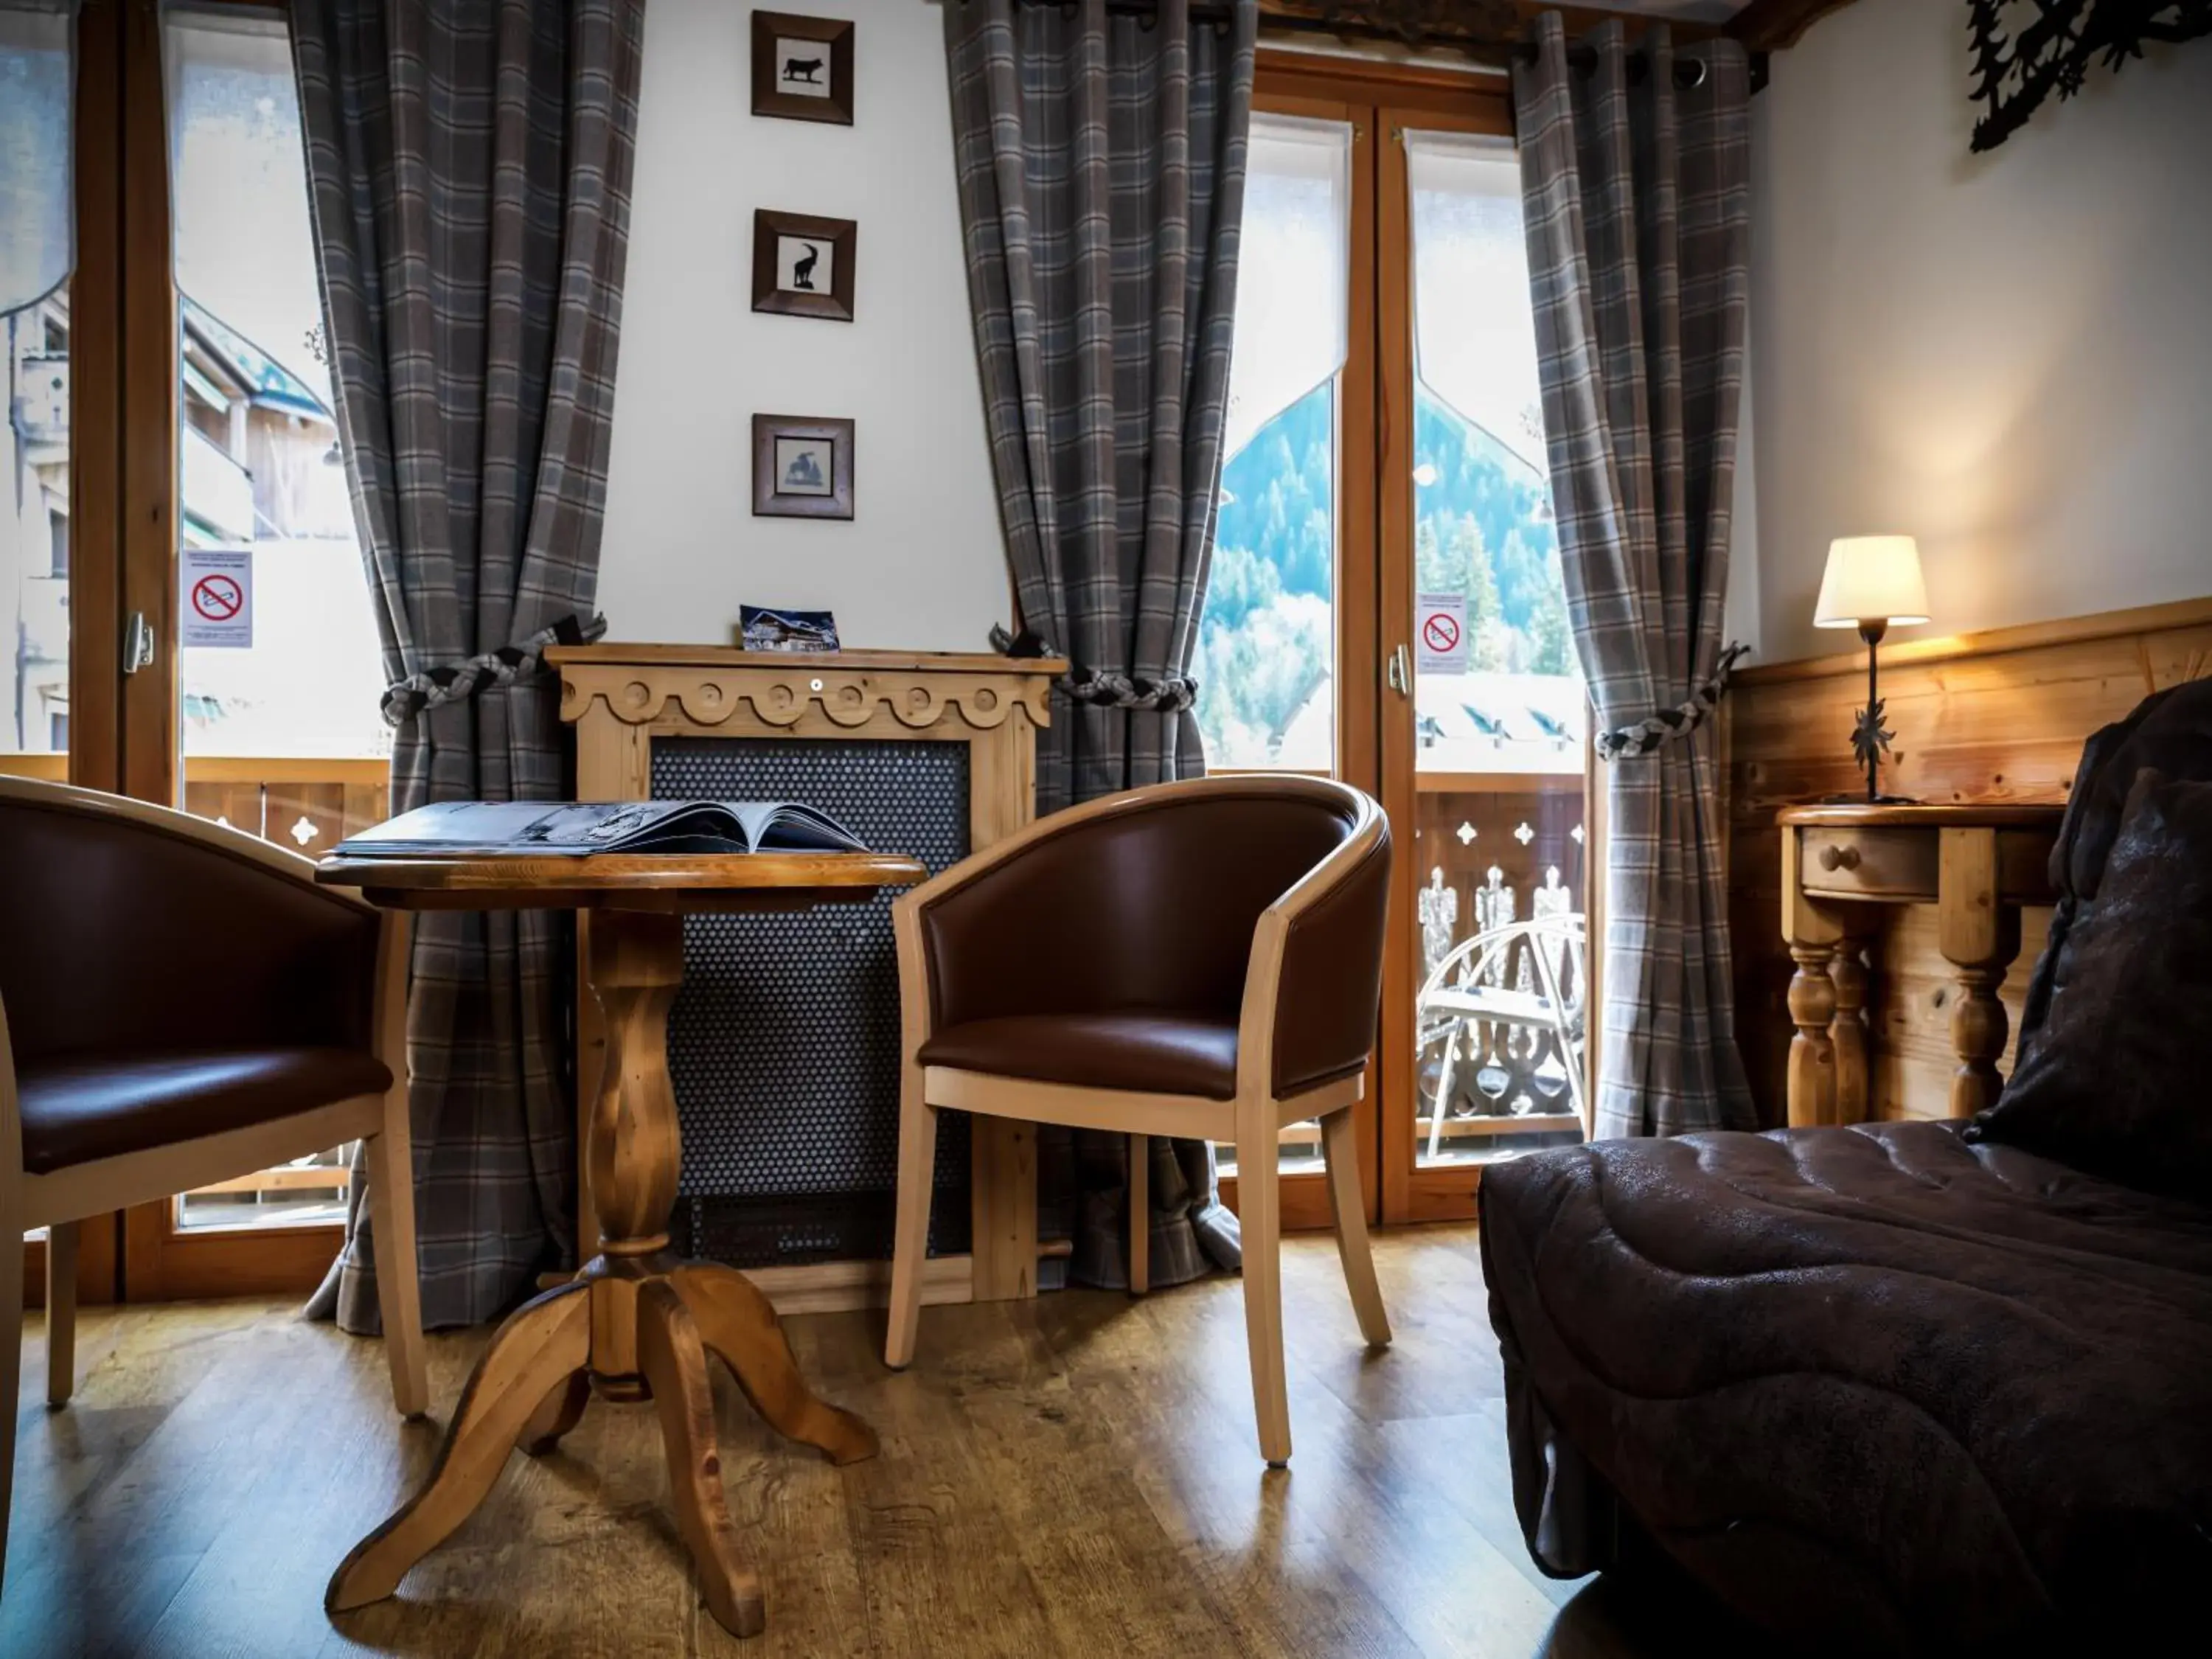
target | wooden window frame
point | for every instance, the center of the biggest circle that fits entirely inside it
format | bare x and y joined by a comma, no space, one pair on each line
1381,100
125,494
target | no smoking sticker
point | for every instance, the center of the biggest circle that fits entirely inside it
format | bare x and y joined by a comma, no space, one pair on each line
1440,633
217,584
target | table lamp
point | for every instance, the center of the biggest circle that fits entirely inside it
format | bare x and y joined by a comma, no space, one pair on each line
1872,583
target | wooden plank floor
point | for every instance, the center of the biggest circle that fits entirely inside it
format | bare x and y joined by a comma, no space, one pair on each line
1075,1475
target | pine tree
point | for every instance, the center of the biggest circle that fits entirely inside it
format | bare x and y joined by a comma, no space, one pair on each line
1549,629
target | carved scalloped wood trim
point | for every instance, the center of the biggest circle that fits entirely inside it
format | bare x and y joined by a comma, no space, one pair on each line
640,694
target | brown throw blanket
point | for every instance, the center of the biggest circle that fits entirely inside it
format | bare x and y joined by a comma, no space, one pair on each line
1881,1390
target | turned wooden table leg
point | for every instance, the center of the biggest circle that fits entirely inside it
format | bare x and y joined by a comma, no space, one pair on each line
1812,932
1813,1050
1848,974
1980,936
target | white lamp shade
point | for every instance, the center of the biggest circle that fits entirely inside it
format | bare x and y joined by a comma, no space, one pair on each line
1872,578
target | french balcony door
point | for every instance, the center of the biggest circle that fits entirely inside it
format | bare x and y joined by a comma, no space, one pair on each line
1386,604
181,593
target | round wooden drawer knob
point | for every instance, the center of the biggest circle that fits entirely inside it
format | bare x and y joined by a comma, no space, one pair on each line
1839,858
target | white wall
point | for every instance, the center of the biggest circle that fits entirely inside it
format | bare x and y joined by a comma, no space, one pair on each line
922,564
2008,357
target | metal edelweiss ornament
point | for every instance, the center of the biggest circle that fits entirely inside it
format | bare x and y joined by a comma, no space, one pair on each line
1871,741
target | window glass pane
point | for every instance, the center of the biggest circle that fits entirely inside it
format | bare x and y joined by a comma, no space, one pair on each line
281,731
1267,644
37,215
263,477
1498,700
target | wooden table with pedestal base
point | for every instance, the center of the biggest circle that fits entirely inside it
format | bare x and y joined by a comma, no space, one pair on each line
1844,870
637,1322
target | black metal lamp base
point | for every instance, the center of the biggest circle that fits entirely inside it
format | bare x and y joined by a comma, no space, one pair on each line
1869,738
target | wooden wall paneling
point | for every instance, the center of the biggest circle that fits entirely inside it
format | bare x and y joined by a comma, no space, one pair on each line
1994,716
1909,1011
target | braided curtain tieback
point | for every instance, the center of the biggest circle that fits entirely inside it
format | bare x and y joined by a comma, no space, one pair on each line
421,692
1647,735
1107,688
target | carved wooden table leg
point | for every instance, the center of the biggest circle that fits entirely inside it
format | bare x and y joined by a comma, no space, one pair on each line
635,1324
1980,936
735,1320
540,1344
1813,1050
675,1369
560,1411
1812,932
1848,974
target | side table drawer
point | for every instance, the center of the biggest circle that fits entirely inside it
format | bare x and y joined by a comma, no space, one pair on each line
1893,865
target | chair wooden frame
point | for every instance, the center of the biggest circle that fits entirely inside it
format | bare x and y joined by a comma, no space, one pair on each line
59,1201
1253,1118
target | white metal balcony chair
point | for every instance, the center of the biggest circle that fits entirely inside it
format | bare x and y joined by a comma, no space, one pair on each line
1527,976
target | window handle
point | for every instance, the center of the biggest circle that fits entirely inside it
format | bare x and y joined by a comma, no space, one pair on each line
1400,673
137,644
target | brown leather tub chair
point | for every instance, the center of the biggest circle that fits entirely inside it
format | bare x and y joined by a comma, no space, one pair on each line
180,1004
1200,960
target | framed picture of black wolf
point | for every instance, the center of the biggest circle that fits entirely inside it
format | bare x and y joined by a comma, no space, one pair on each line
803,68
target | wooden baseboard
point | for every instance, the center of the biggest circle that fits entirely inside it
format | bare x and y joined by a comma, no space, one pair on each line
840,1286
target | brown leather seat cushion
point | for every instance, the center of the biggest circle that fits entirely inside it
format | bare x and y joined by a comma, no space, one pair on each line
76,1110
1137,1048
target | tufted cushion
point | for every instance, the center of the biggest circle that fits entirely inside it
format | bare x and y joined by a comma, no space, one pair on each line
1878,1387
2112,1079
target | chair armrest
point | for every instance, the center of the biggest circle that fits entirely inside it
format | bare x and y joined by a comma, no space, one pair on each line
1313,988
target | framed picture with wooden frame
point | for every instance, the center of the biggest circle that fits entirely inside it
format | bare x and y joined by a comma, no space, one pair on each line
803,68
802,467
802,265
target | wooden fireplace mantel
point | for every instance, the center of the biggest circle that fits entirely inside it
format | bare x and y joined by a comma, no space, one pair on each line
620,697
847,691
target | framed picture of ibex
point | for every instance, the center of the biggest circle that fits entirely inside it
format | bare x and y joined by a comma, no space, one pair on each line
803,265
803,68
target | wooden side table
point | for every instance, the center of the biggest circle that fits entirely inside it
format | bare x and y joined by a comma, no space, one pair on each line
1844,870
637,1322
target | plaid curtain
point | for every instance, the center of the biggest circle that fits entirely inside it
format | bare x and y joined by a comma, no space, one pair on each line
470,166
1636,194
1102,185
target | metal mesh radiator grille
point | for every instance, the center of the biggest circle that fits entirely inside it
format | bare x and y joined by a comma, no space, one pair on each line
783,1043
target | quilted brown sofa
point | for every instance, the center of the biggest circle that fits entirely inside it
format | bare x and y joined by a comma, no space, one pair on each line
1888,1388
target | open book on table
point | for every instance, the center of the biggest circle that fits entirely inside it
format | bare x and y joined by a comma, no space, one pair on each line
469,828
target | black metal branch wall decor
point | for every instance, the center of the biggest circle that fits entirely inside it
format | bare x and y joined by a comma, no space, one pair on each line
2026,50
